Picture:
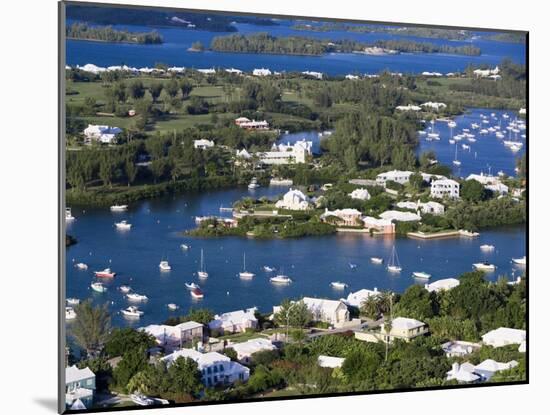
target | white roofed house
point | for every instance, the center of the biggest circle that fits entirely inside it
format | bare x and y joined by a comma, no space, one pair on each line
360,194
489,182
380,226
445,188
396,215
172,337
459,348
294,199
504,336
463,373
442,285
334,312
215,368
431,207
203,144
102,133
246,350
79,386
409,107
235,321
357,298
243,154
287,153
402,328
261,72
345,217
330,362
489,367
434,105
398,176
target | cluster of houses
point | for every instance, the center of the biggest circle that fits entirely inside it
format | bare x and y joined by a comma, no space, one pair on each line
280,154
190,340
488,73
492,183
440,186
426,105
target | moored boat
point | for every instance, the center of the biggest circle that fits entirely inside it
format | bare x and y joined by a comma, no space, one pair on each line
202,271
191,286
484,266
70,314
82,266
123,225
172,307
253,184
125,289
376,260
68,215
119,208
106,273
267,268
338,285
422,275
164,266
141,400
185,247
136,297
280,279
197,293
393,262
487,247
73,301
98,287
132,311
520,261
244,274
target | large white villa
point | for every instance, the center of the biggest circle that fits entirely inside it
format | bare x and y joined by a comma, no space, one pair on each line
287,153
103,133
235,321
330,311
355,299
294,199
445,188
175,336
504,336
216,368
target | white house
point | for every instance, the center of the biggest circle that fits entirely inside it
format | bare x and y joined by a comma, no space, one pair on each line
175,336
330,362
207,71
360,194
431,207
261,72
382,226
330,311
287,153
235,321
246,349
398,176
409,107
243,154
442,285
215,368
347,217
463,373
352,77
358,297
489,367
102,133
504,336
445,188
203,144
434,74
459,348
294,199
485,73
234,71
434,105
79,385
317,75
489,182
396,215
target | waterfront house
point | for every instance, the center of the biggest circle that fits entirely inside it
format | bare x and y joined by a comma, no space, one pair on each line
343,217
330,362
235,321
261,72
381,226
360,194
398,176
459,348
396,215
504,336
334,312
402,328
174,336
246,350
357,298
102,133
203,144
207,71
294,199
287,153
215,368
79,385
445,188
442,285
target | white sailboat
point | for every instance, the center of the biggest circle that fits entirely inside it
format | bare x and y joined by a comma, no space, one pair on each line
433,134
244,274
456,162
202,273
393,262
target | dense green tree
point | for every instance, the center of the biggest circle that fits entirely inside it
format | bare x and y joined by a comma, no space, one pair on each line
296,314
91,327
132,362
472,191
122,340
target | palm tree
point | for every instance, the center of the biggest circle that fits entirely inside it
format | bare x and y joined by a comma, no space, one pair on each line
91,327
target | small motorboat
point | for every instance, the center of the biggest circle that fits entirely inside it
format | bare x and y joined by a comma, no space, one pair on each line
280,279
132,311
376,260
119,208
457,162
123,225
484,266
98,287
136,297
253,184
487,247
141,400
339,285
202,274
73,301
352,266
520,261
422,275
164,266
191,286
68,215
269,269
197,293
70,314
81,266
125,289
172,307
106,273
185,247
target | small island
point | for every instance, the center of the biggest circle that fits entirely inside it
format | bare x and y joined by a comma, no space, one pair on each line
82,31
